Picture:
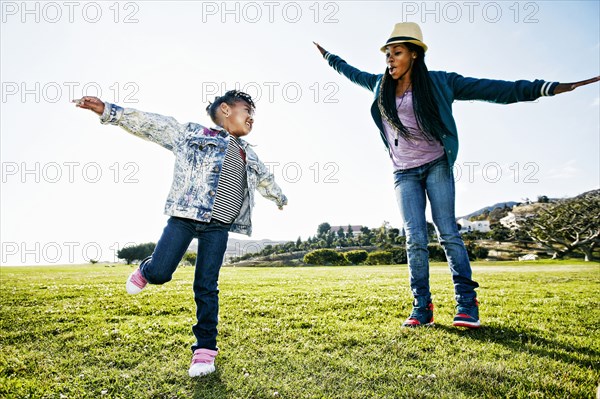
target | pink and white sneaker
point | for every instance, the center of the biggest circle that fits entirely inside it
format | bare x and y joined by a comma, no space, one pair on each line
203,362
135,283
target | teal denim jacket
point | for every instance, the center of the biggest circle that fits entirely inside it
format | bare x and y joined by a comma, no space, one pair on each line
449,86
199,155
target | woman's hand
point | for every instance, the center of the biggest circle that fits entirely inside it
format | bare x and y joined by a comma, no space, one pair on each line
93,103
564,87
321,49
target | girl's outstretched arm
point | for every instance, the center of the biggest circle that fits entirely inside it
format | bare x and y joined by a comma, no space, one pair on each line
163,130
564,87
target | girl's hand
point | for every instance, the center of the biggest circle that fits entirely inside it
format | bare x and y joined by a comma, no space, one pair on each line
564,87
93,103
321,49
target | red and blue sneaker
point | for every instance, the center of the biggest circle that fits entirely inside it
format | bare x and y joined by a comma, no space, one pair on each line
420,316
467,315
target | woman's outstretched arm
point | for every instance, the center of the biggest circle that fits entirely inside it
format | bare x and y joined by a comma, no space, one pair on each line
500,91
565,87
361,78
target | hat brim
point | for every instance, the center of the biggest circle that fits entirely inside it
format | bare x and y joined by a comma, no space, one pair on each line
413,41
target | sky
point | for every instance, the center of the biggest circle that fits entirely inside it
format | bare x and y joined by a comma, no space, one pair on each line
74,189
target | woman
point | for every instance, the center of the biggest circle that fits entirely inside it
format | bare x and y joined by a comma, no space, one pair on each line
413,111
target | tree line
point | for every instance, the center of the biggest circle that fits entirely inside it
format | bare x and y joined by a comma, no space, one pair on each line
386,241
562,227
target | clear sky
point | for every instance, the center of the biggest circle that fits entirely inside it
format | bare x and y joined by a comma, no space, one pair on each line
73,189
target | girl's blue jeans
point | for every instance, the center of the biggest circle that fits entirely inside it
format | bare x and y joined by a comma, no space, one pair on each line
435,181
172,245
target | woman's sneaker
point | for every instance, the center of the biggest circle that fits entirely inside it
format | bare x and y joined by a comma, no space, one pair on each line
203,362
420,316
136,282
467,315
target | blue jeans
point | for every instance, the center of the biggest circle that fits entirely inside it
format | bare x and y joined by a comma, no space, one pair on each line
436,181
172,245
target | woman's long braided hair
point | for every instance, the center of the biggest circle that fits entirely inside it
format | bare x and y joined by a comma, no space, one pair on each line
424,104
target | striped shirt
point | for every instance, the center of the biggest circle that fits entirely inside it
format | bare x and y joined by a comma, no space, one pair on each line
232,184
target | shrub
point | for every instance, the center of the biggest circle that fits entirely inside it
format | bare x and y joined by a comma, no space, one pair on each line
399,256
190,258
379,258
356,257
325,257
436,253
476,251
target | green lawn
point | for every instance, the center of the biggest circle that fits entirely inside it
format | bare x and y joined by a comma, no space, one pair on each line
312,332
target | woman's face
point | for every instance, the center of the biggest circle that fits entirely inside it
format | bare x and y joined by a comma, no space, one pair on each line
399,60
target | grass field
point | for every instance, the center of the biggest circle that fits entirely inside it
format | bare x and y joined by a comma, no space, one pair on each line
312,332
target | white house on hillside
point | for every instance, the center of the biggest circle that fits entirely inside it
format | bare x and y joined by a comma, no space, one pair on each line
512,220
355,230
509,221
478,225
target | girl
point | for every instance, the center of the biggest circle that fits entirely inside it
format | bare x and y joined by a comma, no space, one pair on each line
413,110
216,173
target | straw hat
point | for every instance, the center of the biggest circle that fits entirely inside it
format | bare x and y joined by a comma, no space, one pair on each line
406,32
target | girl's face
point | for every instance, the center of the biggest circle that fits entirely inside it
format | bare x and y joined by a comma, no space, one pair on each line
399,60
240,118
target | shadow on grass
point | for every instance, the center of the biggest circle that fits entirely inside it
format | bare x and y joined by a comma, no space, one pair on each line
209,387
527,341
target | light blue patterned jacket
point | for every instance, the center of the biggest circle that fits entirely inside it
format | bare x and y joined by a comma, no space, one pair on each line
199,155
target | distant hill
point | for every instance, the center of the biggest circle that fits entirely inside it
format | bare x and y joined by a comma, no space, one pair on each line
490,208
510,204
591,192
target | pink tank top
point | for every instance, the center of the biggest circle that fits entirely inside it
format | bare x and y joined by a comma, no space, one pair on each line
414,152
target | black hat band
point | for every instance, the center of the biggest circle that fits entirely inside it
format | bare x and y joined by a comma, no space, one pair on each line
393,39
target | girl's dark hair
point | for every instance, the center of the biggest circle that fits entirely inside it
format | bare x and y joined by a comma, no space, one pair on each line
424,104
230,98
